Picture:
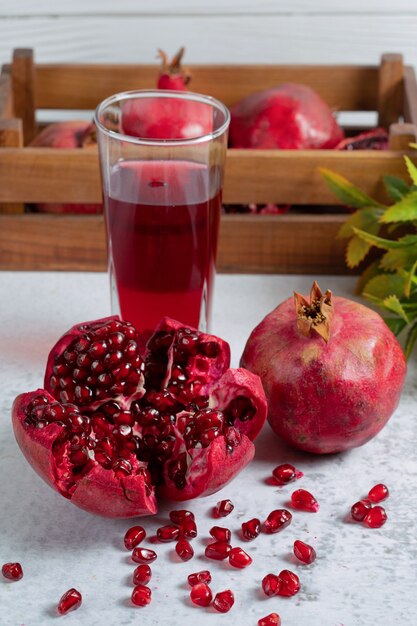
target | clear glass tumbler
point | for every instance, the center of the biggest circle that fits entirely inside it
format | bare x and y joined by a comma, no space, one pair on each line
162,156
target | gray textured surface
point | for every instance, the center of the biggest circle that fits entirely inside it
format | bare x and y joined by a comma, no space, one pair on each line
361,576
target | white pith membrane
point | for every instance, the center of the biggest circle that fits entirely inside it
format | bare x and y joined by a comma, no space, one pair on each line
202,406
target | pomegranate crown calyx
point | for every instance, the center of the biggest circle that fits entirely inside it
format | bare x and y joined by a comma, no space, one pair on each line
174,67
316,315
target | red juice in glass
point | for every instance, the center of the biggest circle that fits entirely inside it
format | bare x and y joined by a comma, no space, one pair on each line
163,248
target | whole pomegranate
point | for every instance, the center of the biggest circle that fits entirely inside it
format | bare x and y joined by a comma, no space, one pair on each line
167,118
71,134
331,369
376,139
112,429
289,117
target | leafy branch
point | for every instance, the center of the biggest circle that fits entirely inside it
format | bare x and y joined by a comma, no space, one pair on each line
390,282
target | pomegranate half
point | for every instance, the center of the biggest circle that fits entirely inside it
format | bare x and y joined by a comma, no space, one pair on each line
112,428
331,368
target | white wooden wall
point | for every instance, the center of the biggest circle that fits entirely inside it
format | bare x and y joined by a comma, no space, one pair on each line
234,31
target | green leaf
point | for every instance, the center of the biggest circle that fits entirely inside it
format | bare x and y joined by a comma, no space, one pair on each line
396,187
356,251
380,286
346,191
364,219
396,324
393,304
403,211
412,169
410,341
369,272
410,279
387,244
403,258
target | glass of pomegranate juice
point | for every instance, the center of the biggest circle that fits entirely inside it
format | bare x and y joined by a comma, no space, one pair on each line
162,156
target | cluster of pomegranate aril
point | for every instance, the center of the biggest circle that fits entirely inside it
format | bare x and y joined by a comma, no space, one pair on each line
12,571
286,583
364,511
70,601
103,362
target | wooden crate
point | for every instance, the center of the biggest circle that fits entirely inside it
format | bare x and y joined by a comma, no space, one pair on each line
296,242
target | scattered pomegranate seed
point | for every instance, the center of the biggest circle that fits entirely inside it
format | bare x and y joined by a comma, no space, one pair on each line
251,529
221,534
304,501
223,601
360,509
12,571
223,508
289,583
218,550
178,517
141,595
239,558
378,493
168,533
277,520
376,517
304,552
286,473
142,574
143,555
199,577
188,529
270,584
70,601
201,594
134,536
273,619
184,550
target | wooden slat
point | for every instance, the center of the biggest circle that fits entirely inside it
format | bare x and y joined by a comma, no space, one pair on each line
23,77
410,95
390,89
6,98
264,243
401,135
48,175
69,86
11,136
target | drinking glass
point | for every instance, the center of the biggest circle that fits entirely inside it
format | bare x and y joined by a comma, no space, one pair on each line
162,156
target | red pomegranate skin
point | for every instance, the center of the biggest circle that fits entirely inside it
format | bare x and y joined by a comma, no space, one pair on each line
47,441
327,397
71,134
290,116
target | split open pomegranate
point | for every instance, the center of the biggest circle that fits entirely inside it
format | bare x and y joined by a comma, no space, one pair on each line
113,428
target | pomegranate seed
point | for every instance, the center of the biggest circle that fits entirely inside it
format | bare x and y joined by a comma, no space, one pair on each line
12,571
270,585
360,509
70,601
304,552
199,577
251,529
223,508
376,517
188,529
223,601
141,595
218,550
277,520
273,619
143,555
220,534
184,550
178,517
304,501
289,583
142,574
201,594
168,533
286,473
134,536
378,493
239,558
